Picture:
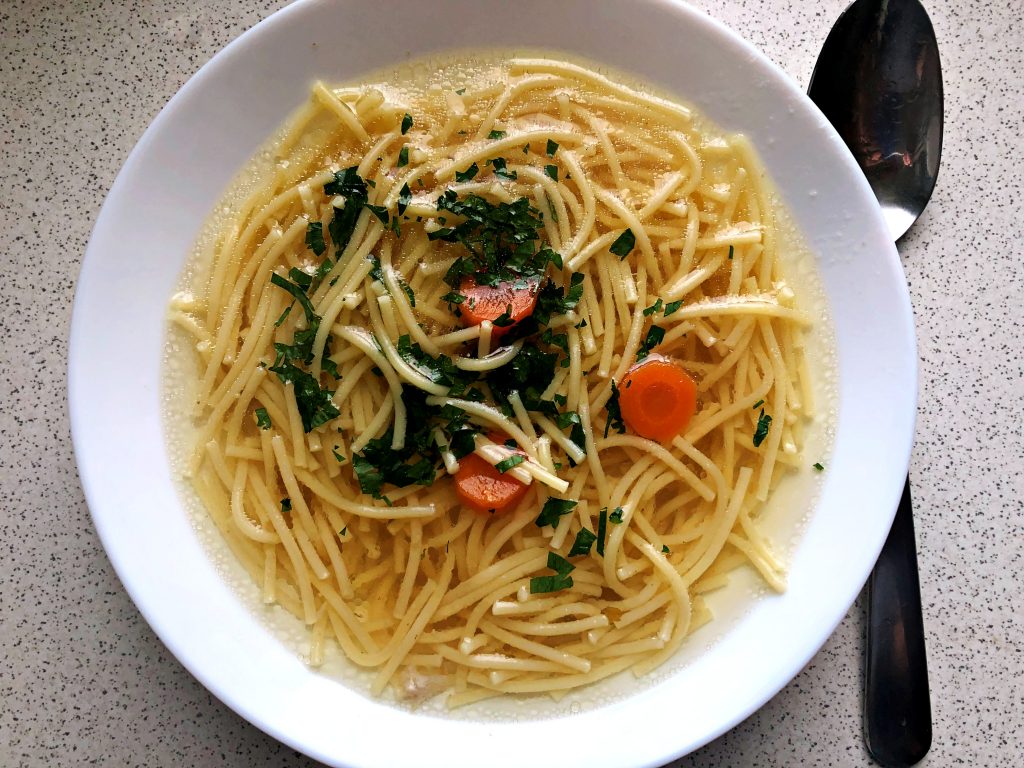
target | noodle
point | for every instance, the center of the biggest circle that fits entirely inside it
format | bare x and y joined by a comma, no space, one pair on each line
304,399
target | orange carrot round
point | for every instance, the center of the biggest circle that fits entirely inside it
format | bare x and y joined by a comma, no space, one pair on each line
483,487
657,398
485,302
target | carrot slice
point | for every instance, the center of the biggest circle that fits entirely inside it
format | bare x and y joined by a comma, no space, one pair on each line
486,302
483,487
657,398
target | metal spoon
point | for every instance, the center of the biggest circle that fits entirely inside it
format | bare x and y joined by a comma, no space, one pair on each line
879,82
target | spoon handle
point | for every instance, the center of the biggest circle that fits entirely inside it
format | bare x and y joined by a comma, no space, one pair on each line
897,707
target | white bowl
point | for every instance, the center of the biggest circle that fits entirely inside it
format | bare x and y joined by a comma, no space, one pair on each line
147,227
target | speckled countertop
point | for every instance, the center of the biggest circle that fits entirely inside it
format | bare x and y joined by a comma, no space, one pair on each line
83,680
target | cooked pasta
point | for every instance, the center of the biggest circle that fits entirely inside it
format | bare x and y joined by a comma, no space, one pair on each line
470,503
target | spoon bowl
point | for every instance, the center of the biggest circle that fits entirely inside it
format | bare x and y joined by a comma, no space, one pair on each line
879,83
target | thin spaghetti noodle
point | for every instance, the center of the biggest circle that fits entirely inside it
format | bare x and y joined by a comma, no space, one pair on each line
661,239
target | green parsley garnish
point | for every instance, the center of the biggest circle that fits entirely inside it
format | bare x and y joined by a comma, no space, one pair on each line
757,405
614,413
466,175
672,307
315,404
730,253
507,464
655,334
500,167
561,579
286,504
655,307
584,541
616,516
623,244
337,456
403,157
551,210
504,319
494,135
315,238
553,510
764,421
552,148
460,91
664,549
406,123
407,290
818,466
284,315
552,171
349,185
500,240
263,418
380,212
404,198
602,529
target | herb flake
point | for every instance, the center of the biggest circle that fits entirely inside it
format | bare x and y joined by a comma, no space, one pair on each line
623,244
764,422
263,418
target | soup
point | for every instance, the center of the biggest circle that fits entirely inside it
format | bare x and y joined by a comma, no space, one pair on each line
498,369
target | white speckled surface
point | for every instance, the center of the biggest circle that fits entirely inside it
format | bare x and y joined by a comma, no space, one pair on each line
83,681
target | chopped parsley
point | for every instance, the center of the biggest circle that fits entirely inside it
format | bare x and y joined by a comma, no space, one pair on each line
672,307
403,157
553,510
757,405
286,504
315,404
500,166
560,580
380,212
406,123
507,464
404,198
655,307
349,185
576,434
440,370
623,244
614,413
407,290
730,253
665,550
315,238
655,334
263,418
337,456
584,541
552,171
284,315
602,529
819,466
764,421
496,134
505,318
552,148
500,240
466,175
616,516
417,462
